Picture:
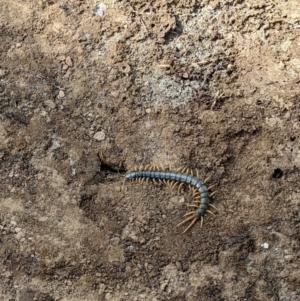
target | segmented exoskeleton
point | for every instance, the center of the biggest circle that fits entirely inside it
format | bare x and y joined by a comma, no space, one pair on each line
183,175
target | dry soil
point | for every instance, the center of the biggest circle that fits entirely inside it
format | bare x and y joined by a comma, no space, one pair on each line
211,85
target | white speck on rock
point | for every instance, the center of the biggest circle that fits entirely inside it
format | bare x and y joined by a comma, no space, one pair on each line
100,136
99,9
61,94
265,245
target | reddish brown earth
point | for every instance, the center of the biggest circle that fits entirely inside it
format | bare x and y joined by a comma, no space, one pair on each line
212,85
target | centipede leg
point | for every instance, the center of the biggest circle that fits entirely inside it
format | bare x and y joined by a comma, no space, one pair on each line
211,194
210,187
210,212
180,185
174,184
213,207
201,221
207,179
185,221
189,213
191,225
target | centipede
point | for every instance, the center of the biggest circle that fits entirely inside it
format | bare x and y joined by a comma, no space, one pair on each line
201,193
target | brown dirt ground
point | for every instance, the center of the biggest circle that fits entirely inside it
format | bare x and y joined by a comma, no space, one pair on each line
212,85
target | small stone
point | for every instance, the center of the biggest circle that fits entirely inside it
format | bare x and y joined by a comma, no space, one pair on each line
265,245
40,176
61,58
178,265
100,136
19,235
115,240
185,75
14,223
101,289
61,94
50,103
289,257
65,67
163,286
18,229
69,61
2,73
114,93
18,45
148,111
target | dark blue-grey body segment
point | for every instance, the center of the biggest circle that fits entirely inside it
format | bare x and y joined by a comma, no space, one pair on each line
180,177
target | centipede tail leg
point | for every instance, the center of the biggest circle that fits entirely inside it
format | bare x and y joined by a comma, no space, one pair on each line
191,225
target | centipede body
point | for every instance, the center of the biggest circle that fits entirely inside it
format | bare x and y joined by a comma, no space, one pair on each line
201,191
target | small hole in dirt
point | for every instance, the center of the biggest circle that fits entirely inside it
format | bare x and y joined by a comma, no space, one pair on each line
277,173
293,138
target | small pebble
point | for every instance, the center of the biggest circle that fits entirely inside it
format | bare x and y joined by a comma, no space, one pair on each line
69,62
50,103
101,289
18,229
265,245
13,223
114,93
65,67
2,73
100,136
61,94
